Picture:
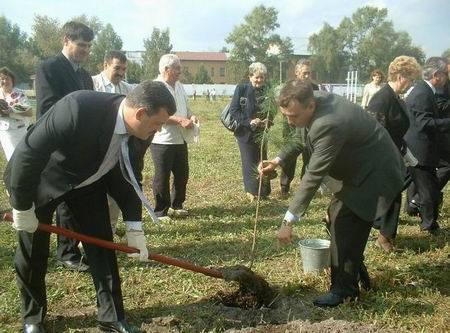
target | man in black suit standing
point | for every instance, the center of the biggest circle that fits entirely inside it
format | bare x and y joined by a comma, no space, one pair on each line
67,156
55,78
443,103
424,137
355,157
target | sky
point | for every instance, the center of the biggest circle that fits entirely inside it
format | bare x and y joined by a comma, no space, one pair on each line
203,25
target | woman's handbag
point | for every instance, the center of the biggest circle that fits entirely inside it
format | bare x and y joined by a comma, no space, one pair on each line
227,120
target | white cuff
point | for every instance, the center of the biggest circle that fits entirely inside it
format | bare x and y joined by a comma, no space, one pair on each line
134,225
289,217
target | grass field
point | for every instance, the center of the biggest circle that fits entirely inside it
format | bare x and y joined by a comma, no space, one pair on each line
412,285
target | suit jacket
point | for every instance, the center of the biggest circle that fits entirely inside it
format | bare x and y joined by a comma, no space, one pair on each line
350,146
243,108
55,78
443,103
391,113
426,126
65,147
443,99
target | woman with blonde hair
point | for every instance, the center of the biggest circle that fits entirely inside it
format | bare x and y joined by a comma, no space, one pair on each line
390,111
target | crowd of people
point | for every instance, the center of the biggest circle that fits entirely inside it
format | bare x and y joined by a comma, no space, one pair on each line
83,159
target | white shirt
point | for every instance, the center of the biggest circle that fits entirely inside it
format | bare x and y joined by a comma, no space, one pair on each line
75,66
112,154
103,84
431,86
173,134
370,89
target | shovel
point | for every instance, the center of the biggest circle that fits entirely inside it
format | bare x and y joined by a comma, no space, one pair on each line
122,248
249,282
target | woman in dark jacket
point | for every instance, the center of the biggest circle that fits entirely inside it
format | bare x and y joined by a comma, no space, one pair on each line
246,108
390,111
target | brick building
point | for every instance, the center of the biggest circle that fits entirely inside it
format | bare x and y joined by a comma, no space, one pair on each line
215,64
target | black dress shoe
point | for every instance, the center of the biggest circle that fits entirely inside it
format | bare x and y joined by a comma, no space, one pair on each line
118,327
33,328
74,265
330,300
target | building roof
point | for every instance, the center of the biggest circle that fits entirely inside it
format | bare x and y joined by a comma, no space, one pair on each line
202,56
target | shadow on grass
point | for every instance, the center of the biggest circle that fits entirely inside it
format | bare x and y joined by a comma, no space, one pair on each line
205,315
294,303
209,315
434,275
423,242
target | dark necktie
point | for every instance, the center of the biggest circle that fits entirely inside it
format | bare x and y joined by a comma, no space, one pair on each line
80,78
128,174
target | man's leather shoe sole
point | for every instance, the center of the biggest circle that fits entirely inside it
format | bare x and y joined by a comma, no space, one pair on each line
33,328
118,327
77,266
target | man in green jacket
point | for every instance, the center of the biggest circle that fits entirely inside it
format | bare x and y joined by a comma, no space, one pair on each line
356,159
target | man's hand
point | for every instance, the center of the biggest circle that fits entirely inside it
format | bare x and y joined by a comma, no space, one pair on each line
186,123
285,234
25,220
137,240
256,122
267,167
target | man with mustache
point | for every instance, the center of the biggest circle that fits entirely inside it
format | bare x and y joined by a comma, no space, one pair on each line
111,78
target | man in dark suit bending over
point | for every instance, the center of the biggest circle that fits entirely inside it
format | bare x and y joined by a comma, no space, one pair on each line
67,156
57,77
357,160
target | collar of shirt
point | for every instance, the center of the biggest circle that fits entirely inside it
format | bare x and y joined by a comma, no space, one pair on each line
105,79
171,89
75,66
120,127
431,86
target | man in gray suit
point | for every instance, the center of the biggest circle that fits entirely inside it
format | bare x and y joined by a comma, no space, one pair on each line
355,157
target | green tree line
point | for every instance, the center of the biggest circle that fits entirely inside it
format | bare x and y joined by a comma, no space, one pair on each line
363,42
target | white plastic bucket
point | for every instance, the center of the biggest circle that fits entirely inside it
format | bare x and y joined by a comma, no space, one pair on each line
315,254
